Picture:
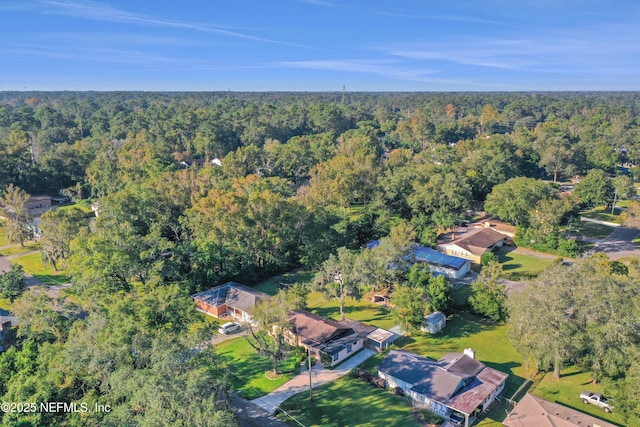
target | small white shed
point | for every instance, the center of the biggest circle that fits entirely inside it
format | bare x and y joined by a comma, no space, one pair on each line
434,323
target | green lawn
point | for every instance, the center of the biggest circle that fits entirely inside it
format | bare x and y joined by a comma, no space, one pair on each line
334,402
603,213
567,389
271,285
248,370
517,266
3,237
590,229
83,205
349,402
32,264
4,304
17,249
362,311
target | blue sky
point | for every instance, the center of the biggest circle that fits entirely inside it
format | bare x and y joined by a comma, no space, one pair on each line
319,45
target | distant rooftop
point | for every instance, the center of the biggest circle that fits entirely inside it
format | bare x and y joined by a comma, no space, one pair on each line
434,257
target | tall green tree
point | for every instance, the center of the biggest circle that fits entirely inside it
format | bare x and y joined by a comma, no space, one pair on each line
409,307
18,218
439,292
515,199
59,227
12,282
594,189
339,277
269,326
489,299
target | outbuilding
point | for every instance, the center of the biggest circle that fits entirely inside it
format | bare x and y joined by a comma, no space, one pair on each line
434,323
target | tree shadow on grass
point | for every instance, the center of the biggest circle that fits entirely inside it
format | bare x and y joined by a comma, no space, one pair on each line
570,374
461,324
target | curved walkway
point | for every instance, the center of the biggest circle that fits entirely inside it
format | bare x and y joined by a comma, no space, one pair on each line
300,383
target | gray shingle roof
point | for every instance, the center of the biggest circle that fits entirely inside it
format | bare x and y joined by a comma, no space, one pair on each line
456,380
232,294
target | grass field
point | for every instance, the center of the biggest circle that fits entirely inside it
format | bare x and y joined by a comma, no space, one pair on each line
248,370
349,402
591,229
271,285
362,311
517,266
4,304
3,237
603,214
32,264
17,249
567,389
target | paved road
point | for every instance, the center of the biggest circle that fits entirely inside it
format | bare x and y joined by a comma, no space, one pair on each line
5,265
251,415
300,383
619,243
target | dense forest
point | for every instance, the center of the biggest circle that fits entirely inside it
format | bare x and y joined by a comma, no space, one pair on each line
196,189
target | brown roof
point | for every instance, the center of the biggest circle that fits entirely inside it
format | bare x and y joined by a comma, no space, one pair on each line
495,224
477,241
533,411
314,329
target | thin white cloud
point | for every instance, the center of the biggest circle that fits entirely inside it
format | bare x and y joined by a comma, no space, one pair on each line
376,67
116,56
569,49
456,18
99,11
322,3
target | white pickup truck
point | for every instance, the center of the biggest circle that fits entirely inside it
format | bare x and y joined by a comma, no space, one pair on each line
596,399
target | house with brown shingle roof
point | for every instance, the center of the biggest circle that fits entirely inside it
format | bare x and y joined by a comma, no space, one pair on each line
322,336
458,386
473,244
533,411
231,299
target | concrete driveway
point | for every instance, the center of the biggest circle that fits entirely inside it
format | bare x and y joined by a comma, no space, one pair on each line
619,243
300,383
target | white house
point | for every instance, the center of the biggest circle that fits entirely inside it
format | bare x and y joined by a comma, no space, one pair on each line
457,385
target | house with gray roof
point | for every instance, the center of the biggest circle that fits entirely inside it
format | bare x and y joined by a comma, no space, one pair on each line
458,385
231,299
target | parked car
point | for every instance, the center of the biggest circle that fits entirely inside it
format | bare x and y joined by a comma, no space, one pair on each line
456,419
229,327
596,399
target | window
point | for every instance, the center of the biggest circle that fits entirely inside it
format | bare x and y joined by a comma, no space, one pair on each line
335,357
349,348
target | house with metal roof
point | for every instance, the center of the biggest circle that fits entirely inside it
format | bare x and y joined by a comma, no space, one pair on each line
456,386
448,265
231,299
439,263
533,411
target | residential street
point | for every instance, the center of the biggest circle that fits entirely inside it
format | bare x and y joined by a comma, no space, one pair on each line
619,243
251,415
